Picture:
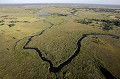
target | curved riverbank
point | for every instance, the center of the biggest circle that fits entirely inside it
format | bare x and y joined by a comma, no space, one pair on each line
58,68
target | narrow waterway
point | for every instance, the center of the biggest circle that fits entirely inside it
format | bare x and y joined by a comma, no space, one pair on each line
57,69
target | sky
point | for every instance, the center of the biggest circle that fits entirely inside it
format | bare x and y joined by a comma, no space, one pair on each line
114,2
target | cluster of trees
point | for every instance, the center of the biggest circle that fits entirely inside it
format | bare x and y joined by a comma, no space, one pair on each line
59,14
114,22
84,21
12,23
19,21
106,24
101,10
73,11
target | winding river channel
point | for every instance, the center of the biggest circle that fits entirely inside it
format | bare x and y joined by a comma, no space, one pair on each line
53,69
105,72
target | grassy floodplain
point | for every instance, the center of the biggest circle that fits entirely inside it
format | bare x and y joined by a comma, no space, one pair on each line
59,41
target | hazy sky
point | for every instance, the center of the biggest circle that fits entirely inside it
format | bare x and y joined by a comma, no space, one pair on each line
117,2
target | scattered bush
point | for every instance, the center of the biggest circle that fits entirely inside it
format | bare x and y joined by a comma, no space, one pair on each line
11,25
96,40
1,24
2,21
26,21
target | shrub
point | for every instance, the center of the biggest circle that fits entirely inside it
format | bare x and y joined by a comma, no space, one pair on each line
10,25
1,24
2,21
116,22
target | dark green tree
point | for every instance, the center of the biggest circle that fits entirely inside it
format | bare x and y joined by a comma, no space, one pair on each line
107,26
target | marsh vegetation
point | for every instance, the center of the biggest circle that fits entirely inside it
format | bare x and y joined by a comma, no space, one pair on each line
59,42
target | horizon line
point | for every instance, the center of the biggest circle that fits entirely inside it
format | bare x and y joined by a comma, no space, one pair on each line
60,3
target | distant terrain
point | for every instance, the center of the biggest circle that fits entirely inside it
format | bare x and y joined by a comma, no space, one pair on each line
59,41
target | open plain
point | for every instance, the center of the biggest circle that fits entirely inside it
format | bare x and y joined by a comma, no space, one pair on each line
59,41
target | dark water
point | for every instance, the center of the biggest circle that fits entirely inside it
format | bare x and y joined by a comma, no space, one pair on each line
44,15
57,69
106,73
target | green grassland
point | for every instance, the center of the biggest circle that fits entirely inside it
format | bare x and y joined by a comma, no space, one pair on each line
56,36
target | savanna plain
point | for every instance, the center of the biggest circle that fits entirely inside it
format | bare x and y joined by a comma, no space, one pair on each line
59,41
